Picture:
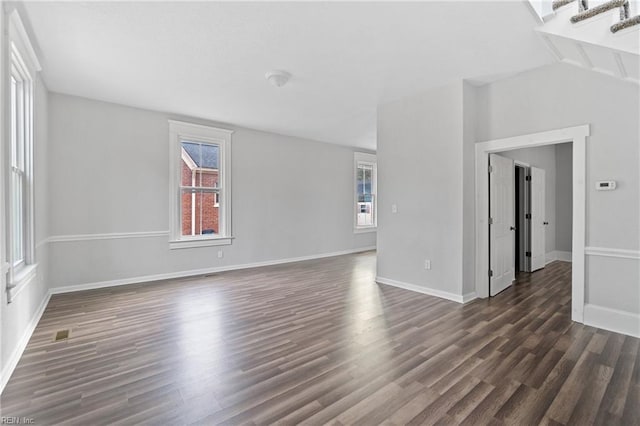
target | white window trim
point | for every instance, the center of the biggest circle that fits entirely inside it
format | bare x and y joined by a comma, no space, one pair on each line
368,159
21,51
178,131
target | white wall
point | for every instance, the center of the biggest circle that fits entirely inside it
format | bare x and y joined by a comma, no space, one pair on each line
109,174
564,200
420,169
560,96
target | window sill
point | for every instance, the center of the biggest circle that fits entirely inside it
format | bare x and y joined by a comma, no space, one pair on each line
22,278
204,242
365,230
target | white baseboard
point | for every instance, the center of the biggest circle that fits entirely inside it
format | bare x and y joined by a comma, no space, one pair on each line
468,297
24,340
552,256
428,290
7,371
612,319
195,272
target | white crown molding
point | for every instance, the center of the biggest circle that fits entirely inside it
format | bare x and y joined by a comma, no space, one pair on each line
428,290
612,252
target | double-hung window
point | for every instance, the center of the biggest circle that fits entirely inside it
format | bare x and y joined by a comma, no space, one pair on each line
200,185
23,65
365,166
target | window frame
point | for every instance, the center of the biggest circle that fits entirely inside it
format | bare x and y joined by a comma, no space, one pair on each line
22,67
180,131
363,158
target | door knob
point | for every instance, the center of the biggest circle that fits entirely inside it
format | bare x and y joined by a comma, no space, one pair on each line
545,223
512,228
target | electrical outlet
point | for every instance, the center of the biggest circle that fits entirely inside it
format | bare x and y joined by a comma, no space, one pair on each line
220,254
394,208
427,264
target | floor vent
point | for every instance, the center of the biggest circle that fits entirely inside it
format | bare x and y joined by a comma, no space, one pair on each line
61,335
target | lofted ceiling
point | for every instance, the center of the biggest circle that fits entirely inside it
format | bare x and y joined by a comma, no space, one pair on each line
208,59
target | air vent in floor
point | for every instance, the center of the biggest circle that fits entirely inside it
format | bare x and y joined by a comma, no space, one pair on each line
61,335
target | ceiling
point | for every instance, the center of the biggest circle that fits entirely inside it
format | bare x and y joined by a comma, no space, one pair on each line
208,60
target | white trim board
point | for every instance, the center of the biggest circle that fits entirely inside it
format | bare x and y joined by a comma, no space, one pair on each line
428,290
612,319
612,252
105,236
196,272
578,135
15,356
562,256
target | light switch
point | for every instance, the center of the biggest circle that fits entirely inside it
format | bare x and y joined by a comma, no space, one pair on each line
394,208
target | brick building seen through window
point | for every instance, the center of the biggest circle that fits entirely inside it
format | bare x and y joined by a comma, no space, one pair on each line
200,203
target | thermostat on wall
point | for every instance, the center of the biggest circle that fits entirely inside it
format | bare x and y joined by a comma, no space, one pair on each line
606,185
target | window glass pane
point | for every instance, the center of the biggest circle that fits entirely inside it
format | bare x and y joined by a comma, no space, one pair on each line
200,213
365,208
365,215
14,120
200,165
17,218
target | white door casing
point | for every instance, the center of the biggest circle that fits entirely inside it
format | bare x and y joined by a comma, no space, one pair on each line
538,218
501,223
579,136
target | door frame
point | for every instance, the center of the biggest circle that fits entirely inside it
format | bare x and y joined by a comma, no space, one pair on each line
523,231
578,135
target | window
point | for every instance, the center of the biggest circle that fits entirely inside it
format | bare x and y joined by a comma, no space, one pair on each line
201,185
365,192
19,171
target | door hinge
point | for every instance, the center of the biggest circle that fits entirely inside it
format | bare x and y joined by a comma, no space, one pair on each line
490,273
490,168
527,216
490,221
528,254
528,178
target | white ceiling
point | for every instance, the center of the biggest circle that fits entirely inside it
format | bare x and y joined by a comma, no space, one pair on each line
208,60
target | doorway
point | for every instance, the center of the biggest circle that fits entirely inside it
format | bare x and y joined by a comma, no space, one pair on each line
578,135
517,215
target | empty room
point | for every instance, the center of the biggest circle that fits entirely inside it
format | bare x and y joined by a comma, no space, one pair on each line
252,213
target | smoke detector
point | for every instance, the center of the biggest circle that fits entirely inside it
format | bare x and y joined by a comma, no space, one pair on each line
277,78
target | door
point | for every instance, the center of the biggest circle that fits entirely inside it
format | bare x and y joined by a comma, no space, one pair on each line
538,218
501,223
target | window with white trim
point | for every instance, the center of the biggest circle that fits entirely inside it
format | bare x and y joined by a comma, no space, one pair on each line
23,66
200,185
365,205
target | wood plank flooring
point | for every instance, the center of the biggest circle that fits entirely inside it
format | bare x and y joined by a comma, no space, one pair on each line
320,342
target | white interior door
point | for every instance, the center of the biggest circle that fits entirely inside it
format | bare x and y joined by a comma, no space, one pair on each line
501,223
538,218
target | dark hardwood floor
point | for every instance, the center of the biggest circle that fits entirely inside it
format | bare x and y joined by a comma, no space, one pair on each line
320,342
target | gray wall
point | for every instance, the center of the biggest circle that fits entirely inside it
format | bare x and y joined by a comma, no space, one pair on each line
420,151
560,96
109,174
564,194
